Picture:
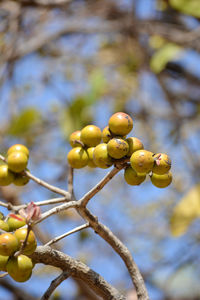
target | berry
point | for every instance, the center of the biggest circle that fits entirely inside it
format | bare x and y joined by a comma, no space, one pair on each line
8,244
162,164
161,181
77,158
16,221
20,179
3,262
75,136
90,152
18,148
142,161
101,156
117,148
17,161
6,176
120,123
1,216
31,243
106,135
4,226
91,135
134,145
132,178
20,268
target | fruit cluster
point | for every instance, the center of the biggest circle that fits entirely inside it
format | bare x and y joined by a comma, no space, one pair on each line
87,150
12,171
18,267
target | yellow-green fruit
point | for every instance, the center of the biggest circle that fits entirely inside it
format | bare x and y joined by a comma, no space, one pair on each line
1,216
3,262
134,145
6,176
20,268
90,152
15,222
142,161
132,178
20,179
117,148
162,163
17,161
120,123
31,243
106,135
8,244
91,135
4,226
18,148
101,156
77,158
74,137
161,181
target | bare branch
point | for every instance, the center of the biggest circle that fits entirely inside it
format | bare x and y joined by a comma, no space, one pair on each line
70,181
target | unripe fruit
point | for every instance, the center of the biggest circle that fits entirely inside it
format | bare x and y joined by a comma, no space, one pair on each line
1,216
161,181
120,123
15,223
117,148
4,226
6,176
91,135
77,158
20,268
17,161
106,135
162,163
20,179
18,148
142,161
90,152
134,145
8,244
3,262
31,243
101,156
75,136
132,178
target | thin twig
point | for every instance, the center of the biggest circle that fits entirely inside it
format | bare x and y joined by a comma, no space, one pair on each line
23,245
70,181
3,158
79,228
3,275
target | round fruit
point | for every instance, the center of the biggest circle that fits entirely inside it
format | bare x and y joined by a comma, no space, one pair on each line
20,268
106,135
77,158
90,152
4,226
18,148
132,178
1,216
16,221
91,135
20,180
120,123
75,136
117,148
17,161
6,176
8,244
161,181
142,161
134,145
31,243
101,156
162,163
3,262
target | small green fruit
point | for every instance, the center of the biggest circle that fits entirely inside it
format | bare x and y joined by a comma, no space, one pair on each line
134,145
101,156
16,221
6,176
117,148
20,179
31,244
106,135
91,135
20,268
3,262
142,161
17,161
120,124
132,178
74,137
18,148
8,244
77,158
4,226
162,164
161,181
90,152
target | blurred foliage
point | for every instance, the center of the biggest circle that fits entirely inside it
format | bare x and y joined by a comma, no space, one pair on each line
190,7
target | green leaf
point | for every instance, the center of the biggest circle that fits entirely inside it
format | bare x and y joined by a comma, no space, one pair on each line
189,7
165,54
186,211
98,86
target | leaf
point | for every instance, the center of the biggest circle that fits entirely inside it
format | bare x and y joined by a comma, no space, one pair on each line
165,54
186,211
189,7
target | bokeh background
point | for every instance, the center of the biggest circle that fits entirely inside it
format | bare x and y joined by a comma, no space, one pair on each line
68,63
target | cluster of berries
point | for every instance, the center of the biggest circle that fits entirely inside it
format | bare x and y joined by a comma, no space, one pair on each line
89,151
12,171
18,267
